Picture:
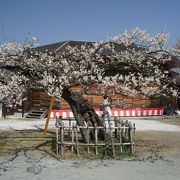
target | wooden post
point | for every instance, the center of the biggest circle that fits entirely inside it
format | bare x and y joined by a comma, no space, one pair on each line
133,134
49,113
69,126
87,135
57,141
72,147
22,109
62,138
130,137
76,133
4,109
112,141
96,139
116,125
134,128
120,136
122,130
105,147
126,130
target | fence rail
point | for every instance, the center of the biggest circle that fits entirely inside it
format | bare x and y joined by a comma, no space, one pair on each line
120,135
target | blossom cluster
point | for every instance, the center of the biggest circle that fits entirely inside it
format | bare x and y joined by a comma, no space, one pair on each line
141,58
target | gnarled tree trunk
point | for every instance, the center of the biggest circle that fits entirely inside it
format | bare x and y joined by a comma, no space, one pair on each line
83,113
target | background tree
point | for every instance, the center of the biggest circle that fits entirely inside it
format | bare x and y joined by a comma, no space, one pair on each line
139,62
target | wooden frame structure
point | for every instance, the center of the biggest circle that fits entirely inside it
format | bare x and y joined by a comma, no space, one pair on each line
49,114
122,130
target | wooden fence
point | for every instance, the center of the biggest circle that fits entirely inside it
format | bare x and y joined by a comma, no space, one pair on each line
120,135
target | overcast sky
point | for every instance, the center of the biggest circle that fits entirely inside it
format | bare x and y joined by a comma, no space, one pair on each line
90,20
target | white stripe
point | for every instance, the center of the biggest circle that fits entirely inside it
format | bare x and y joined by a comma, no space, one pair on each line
57,114
64,115
121,113
144,112
155,112
71,114
115,113
133,113
127,113
161,112
150,112
139,113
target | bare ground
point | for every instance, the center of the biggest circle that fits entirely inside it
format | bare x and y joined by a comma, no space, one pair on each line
159,142
146,142
16,141
28,154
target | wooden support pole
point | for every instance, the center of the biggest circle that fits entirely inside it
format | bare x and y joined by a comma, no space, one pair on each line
96,139
4,110
72,146
23,109
131,141
105,148
76,133
116,125
133,134
69,126
87,135
49,114
62,139
126,130
57,141
112,141
122,130
120,136
130,138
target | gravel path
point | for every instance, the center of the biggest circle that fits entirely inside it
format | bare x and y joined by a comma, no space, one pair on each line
33,167
142,124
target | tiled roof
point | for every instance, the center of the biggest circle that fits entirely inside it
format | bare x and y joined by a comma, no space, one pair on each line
60,46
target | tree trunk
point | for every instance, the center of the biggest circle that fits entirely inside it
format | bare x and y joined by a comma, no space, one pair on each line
83,113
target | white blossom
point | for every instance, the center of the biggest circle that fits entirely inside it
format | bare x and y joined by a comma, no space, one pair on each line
140,60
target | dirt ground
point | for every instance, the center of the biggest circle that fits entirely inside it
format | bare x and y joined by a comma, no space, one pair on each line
159,142
146,142
28,154
16,141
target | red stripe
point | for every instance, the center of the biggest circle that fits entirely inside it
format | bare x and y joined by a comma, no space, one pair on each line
119,112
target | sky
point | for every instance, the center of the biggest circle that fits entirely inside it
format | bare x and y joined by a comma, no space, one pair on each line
88,20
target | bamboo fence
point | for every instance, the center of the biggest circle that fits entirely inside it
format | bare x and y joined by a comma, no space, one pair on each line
124,130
